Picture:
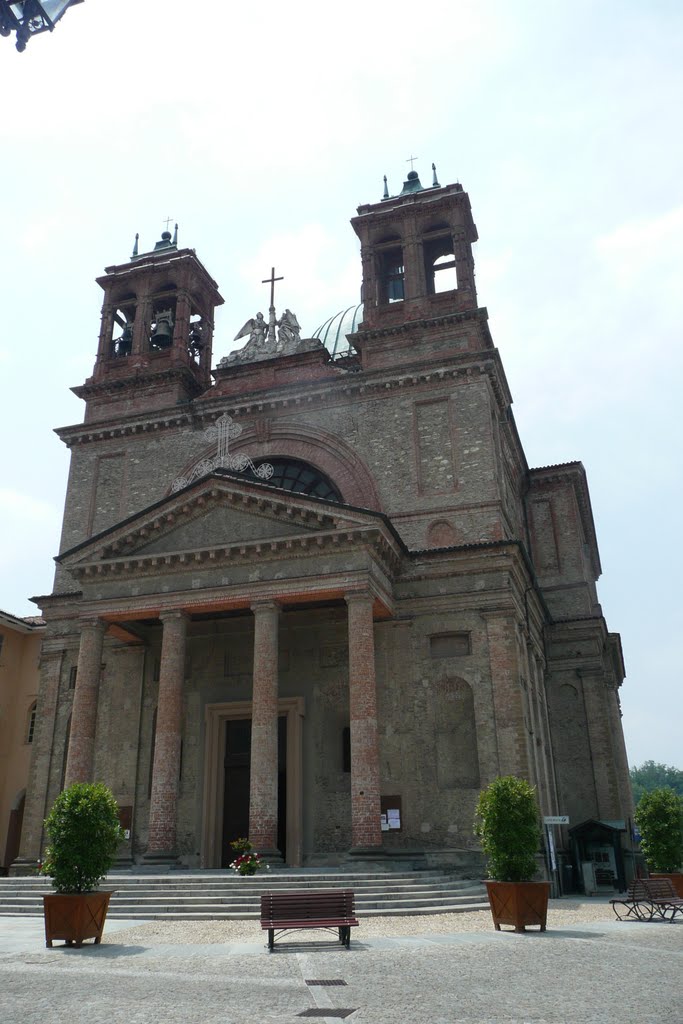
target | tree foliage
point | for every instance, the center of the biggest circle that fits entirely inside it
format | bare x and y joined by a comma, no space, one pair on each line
508,826
84,833
653,775
659,817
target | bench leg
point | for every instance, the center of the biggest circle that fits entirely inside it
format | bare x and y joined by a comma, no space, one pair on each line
271,940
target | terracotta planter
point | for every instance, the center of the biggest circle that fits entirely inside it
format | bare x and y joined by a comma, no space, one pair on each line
518,903
676,878
75,917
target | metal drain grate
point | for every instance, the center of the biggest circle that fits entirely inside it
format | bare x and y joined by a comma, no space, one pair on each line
326,981
325,1011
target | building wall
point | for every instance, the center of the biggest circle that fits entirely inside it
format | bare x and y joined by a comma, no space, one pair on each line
19,681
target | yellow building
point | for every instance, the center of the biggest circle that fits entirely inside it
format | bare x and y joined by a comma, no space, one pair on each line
20,641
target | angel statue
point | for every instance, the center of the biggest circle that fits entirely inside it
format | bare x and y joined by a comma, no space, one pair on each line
288,329
257,329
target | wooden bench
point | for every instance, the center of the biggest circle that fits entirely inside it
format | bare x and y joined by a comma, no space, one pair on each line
663,897
647,898
332,909
635,902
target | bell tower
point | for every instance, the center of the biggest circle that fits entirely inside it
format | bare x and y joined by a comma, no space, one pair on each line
416,252
156,333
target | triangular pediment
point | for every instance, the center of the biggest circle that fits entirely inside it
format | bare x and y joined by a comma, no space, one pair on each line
217,515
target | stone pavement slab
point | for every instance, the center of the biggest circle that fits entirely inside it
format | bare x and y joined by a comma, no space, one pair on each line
602,973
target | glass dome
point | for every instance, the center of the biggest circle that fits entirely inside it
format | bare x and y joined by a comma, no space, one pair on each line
333,332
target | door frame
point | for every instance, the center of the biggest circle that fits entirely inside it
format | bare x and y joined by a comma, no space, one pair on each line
215,716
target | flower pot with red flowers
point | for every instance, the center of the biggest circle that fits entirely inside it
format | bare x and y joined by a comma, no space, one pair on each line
247,860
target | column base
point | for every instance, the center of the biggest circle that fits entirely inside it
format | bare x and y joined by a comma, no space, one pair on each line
21,867
160,858
367,851
272,857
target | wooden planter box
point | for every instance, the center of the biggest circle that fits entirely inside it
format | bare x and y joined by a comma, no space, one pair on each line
518,903
75,917
676,878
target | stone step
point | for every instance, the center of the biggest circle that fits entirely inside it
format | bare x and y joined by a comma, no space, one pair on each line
251,885
217,896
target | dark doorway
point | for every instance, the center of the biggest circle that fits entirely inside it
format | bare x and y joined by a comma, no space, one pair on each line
236,789
16,818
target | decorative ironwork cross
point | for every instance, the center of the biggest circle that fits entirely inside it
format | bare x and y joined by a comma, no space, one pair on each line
168,221
225,428
411,160
271,280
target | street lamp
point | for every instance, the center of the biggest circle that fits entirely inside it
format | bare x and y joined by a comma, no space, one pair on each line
29,17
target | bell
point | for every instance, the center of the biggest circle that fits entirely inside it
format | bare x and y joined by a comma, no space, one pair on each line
162,331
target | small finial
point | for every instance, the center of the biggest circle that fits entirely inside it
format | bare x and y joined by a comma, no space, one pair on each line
435,181
135,247
386,188
175,235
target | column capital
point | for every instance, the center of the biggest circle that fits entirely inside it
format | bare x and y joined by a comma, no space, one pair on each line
171,614
359,595
92,622
268,604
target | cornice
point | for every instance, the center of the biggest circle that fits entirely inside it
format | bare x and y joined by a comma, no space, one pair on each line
312,395
133,565
426,323
138,381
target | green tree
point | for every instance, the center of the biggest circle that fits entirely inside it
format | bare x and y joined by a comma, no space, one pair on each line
659,817
84,833
653,775
507,824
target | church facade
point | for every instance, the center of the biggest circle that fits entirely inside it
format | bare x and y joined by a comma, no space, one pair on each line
320,599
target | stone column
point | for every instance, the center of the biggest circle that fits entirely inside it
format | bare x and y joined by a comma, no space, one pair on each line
161,841
263,769
81,757
365,797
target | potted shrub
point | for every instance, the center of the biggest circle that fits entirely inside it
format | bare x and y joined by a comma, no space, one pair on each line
83,832
659,817
508,826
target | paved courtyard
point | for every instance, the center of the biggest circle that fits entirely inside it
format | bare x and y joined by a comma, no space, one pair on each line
587,967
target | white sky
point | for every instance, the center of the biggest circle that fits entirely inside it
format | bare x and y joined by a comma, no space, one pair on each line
260,130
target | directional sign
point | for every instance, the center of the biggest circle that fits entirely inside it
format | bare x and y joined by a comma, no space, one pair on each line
556,819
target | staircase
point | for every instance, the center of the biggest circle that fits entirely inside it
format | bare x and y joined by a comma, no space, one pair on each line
177,896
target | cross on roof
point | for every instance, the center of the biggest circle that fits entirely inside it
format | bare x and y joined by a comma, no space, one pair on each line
411,160
271,280
167,222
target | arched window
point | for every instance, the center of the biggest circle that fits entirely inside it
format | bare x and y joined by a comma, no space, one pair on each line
301,478
439,255
390,271
65,753
31,723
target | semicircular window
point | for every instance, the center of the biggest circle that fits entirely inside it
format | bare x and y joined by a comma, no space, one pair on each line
300,477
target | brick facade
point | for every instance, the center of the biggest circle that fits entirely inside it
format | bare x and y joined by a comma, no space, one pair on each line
436,628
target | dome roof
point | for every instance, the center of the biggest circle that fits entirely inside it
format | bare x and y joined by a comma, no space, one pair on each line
333,332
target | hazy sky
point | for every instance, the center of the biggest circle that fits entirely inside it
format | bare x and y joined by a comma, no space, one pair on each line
261,128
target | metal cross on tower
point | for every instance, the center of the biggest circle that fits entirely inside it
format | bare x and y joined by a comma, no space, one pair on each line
271,312
411,160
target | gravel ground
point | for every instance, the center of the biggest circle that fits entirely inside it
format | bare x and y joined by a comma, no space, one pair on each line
561,914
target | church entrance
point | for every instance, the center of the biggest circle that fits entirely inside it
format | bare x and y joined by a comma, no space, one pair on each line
236,785
227,755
